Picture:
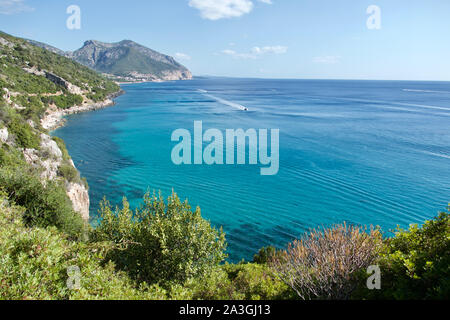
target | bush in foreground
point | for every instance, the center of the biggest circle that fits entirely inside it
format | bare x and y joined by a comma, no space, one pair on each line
415,264
161,242
326,264
44,205
34,264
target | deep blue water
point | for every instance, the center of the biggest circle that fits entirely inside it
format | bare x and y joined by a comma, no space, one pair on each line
365,152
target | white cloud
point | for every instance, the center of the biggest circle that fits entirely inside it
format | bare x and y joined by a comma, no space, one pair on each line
13,6
221,9
237,55
182,56
327,59
256,52
272,49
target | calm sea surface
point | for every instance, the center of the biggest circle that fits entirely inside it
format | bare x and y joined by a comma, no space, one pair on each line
365,152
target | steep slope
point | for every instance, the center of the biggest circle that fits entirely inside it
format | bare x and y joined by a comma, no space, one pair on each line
50,48
35,85
127,59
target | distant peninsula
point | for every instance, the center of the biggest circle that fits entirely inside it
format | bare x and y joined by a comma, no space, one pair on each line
125,61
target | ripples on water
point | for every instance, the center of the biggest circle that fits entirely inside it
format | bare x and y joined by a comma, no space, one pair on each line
365,152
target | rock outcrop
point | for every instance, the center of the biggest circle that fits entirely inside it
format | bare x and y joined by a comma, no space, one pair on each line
49,159
63,83
54,117
79,196
4,135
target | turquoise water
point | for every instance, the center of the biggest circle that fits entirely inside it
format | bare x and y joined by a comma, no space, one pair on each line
365,152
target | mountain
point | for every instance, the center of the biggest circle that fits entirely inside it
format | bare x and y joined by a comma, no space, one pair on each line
125,61
129,59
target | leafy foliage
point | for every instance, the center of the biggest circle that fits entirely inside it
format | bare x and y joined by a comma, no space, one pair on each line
44,205
415,264
24,134
34,264
247,281
64,101
265,255
68,172
161,242
62,146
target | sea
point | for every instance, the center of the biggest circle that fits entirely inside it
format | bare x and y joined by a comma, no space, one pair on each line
372,153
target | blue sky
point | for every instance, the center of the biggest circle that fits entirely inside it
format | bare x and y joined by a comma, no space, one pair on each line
319,39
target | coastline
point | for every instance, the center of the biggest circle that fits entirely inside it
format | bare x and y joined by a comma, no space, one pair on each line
54,117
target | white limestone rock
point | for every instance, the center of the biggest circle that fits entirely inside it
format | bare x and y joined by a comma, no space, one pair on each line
4,135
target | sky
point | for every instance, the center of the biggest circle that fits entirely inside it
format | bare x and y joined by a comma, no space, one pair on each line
303,39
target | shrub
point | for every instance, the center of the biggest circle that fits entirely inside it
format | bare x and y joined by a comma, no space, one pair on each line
34,265
62,146
10,157
24,134
68,172
64,101
244,281
257,282
325,263
415,264
265,255
45,205
161,242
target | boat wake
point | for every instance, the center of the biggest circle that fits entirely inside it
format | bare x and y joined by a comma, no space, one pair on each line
425,91
436,154
223,101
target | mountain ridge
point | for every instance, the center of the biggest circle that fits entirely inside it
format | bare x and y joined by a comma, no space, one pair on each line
125,60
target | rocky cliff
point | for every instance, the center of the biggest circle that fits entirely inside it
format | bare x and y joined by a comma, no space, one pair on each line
38,88
49,159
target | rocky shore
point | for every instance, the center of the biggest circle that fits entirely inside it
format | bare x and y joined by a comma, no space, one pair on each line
54,117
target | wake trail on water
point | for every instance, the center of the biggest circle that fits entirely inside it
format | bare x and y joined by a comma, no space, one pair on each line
425,91
436,154
423,106
223,101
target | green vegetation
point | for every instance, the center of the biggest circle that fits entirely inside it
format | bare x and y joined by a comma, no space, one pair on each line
69,173
133,60
62,147
415,263
23,79
44,205
64,101
18,80
24,133
34,264
161,242
21,55
10,157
